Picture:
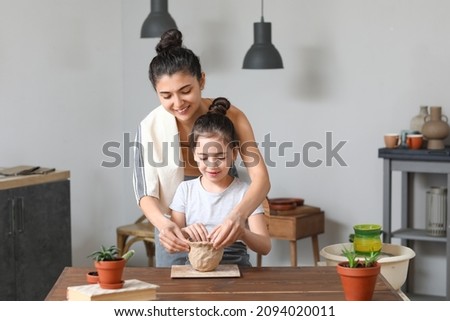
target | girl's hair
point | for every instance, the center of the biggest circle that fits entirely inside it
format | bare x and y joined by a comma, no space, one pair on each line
215,123
173,57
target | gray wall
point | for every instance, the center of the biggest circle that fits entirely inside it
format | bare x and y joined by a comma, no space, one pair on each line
73,76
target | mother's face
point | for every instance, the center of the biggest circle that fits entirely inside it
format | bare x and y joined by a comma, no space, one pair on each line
180,94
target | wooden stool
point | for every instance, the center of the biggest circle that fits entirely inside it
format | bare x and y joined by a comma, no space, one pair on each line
293,225
141,230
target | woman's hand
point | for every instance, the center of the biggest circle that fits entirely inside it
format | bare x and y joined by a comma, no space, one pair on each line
231,229
196,232
172,238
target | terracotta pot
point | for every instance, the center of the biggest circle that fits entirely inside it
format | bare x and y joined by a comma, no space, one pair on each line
358,283
92,277
110,273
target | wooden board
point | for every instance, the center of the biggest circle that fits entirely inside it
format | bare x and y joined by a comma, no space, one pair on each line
222,271
299,210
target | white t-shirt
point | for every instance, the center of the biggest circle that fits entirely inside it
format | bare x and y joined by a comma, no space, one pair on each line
210,209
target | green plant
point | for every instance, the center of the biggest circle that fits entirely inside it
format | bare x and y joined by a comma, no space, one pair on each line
354,262
372,258
110,254
105,254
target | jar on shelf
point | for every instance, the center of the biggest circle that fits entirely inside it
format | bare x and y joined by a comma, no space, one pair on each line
436,211
418,121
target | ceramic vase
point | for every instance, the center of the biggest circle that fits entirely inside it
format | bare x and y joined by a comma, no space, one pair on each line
418,121
436,128
367,239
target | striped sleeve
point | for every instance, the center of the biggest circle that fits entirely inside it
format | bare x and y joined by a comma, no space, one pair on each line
139,183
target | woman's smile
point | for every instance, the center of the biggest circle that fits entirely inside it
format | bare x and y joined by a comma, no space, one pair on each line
182,111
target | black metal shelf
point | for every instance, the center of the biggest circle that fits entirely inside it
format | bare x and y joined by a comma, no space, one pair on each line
417,234
424,297
408,162
415,154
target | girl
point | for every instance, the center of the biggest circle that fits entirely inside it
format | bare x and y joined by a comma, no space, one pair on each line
199,205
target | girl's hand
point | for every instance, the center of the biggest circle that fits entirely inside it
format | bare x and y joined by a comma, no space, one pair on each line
197,232
172,238
228,232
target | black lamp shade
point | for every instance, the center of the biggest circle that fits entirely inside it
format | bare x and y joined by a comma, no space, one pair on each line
158,21
262,54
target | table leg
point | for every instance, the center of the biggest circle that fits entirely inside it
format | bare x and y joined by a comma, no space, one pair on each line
315,246
293,247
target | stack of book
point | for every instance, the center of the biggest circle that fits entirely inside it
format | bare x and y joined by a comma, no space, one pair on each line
25,170
132,290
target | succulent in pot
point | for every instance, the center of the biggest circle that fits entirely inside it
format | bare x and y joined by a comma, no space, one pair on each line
110,266
359,275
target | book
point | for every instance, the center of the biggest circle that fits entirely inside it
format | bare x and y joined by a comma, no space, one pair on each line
132,290
25,170
42,170
18,170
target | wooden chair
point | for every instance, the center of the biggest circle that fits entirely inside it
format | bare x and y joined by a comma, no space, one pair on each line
140,230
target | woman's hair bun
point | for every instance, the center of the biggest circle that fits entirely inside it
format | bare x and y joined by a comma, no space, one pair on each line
172,38
219,105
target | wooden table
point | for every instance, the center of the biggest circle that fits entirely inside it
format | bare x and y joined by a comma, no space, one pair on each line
255,284
293,225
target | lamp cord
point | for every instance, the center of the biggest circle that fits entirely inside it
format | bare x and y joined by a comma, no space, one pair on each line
262,10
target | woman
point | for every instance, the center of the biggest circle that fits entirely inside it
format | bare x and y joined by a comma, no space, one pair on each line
164,159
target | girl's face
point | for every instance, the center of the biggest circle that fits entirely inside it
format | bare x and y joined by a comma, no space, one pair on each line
180,94
214,158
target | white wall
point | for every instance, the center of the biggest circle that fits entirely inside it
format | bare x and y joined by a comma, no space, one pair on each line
73,76
61,98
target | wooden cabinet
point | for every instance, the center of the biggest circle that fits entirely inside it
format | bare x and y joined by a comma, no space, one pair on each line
35,234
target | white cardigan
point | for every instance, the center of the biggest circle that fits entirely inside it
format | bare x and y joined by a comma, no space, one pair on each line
157,170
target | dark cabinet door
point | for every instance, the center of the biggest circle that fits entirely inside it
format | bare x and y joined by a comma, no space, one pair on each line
41,242
7,263
43,238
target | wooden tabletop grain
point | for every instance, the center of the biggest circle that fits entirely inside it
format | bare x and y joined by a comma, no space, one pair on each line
254,284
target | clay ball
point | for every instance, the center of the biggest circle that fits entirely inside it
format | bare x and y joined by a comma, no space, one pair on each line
204,257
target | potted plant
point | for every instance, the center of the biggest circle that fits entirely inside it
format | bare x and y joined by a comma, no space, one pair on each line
110,266
359,276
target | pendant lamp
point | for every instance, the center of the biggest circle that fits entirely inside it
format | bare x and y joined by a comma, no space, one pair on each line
158,20
262,54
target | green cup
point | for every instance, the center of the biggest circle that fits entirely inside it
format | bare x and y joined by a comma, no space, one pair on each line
367,238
